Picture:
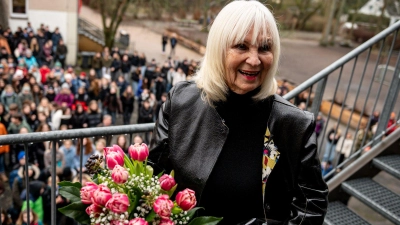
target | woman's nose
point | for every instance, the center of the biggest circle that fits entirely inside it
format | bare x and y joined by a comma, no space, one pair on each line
253,59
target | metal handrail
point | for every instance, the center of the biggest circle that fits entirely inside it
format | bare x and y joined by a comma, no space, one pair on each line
75,133
343,60
86,26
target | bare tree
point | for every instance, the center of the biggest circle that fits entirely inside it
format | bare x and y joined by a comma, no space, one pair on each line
306,9
115,11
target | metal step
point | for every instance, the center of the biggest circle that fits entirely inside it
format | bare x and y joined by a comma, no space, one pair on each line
388,163
339,214
379,198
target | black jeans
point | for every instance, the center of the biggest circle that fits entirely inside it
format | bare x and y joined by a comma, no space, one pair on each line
127,117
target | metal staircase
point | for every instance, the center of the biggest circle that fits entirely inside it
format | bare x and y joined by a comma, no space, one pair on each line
353,85
91,31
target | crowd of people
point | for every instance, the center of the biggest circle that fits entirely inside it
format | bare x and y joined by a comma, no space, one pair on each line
39,92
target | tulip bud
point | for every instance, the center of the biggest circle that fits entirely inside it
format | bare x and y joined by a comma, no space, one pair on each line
119,174
167,182
114,156
139,152
186,199
94,209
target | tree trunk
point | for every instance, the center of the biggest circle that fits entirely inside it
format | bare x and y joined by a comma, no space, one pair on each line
380,18
328,26
337,22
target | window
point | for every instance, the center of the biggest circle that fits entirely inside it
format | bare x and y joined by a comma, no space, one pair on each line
19,8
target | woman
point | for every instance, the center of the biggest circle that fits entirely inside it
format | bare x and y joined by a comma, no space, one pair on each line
128,101
94,115
121,142
23,218
228,129
5,219
61,52
79,118
88,150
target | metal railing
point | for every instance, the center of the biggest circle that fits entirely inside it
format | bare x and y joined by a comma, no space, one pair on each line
85,27
350,90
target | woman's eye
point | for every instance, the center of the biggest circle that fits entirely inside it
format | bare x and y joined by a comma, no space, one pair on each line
241,46
265,48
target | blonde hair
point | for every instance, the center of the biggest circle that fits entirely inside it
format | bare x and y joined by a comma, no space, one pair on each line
231,26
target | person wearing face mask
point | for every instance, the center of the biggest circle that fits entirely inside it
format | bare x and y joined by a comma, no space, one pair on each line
227,135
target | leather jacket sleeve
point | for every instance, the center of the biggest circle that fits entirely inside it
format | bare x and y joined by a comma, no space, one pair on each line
310,201
159,144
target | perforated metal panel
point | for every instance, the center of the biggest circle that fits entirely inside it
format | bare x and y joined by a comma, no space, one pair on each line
375,196
389,163
339,214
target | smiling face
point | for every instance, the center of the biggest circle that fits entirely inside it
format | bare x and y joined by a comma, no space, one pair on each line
247,64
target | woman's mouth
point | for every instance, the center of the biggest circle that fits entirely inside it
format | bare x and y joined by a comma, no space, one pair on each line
249,75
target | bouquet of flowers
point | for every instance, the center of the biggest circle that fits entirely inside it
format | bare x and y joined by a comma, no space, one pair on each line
125,191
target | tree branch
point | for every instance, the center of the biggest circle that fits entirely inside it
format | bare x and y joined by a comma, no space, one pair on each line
103,13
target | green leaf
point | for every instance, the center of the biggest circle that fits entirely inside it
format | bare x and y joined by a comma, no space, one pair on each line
71,192
149,171
76,211
205,220
67,183
171,192
172,174
150,217
128,164
191,212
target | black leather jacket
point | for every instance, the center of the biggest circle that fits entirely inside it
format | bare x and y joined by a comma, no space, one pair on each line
189,136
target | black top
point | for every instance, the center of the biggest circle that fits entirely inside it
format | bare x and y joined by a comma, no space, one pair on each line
238,172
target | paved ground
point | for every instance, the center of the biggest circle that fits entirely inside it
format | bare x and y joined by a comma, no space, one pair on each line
301,58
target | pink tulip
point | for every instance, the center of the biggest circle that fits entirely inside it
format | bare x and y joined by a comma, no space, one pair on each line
119,174
87,191
94,209
163,206
101,195
167,182
114,156
138,221
119,203
186,199
167,222
139,152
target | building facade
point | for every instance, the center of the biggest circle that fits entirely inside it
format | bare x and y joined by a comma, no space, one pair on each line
53,13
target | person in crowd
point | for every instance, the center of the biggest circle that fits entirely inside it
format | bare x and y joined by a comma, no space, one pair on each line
69,152
115,67
29,59
66,118
19,184
56,37
122,84
178,76
60,160
344,146
4,149
319,124
97,64
113,104
392,124
126,67
128,101
138,139
122,142
332,140
142,63
88,149
106,121
8,96
101,143
79,118
174,41
94,115
363,136
25,95
33,217
36,203
17,122
135,77
251,129
46,54
5,219
61,52
164,41
65,97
